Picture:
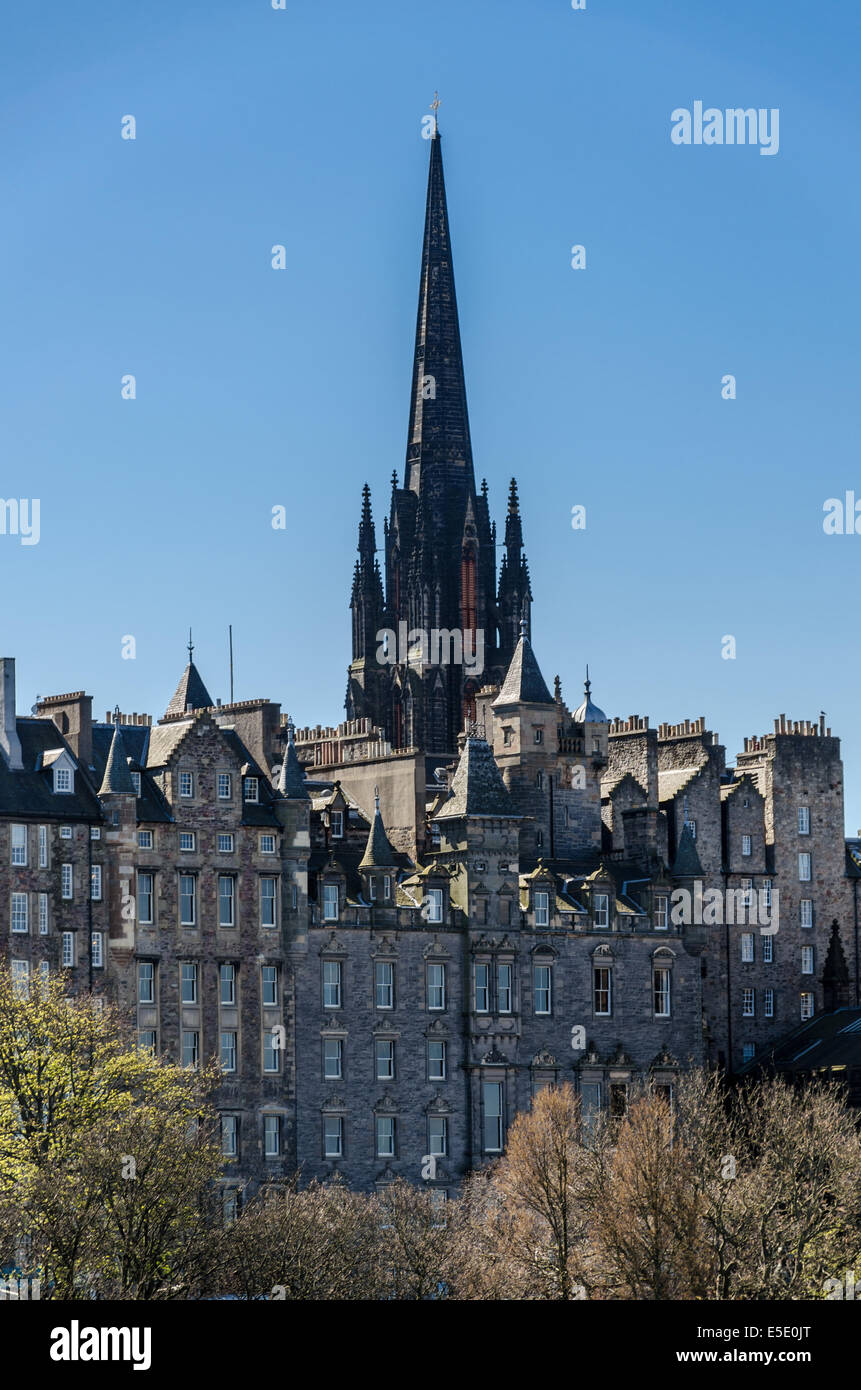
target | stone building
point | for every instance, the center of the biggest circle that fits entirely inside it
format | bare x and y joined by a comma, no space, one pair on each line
392,932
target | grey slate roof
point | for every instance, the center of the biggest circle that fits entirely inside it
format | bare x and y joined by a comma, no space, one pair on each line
291,778
687,862
378,851
190,691
117,778
524,683
477,788
30,792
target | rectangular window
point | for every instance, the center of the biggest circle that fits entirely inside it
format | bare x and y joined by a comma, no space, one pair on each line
62,779
804,871
331,984
384,1049
186,784
602,989
145,898
267,844
748,1052
337,825
187,900
229,1136
590,1103
189,982
186,841
384,984
43,914
436,986
190,1048
807,960
19,844
806,906
144,839
146,982
387,888
269,975
20,912
268,913
330,902
227,981
768,1003
806,1005
385,1136
272,1136
747,947
65,832
492,1098
542,909
225,786
43,846
661,918
333,1136
95,831
68,948
692,826
601,904
271,1052
250,788
436,1061
765,893
136,783
226,886
228,1050
661,991
225,844
434,903
482,988
97,949
541,989
746,845
147,1040
437,1136
333,1058
21,978
768,950
96,882
804,820
67,881
504,974
748,1003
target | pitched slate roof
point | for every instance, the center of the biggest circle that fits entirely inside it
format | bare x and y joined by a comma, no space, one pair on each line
29,791
675,779
378,851
827,1042
190,691
117,778
524,683
477,788
151,803
291,778
687,862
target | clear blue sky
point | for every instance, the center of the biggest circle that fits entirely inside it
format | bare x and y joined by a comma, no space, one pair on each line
600,387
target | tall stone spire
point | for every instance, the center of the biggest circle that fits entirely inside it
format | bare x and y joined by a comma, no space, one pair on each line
438,441
515,590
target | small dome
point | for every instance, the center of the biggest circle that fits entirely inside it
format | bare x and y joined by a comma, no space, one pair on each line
589,713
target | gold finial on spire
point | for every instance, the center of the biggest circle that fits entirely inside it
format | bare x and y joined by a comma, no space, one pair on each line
434,106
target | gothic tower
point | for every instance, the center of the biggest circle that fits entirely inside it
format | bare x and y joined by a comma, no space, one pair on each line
449,633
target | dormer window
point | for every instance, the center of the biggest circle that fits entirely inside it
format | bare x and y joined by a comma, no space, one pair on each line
330,902
62,779
542,909
435,835
337,825
601,904
250,789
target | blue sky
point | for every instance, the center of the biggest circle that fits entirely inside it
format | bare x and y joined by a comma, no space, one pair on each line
599,387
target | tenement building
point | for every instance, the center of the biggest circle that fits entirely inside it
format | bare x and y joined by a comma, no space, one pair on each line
392,932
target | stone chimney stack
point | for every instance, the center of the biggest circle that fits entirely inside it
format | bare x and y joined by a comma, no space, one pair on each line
10,744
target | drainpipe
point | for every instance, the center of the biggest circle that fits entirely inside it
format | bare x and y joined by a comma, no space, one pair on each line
90,904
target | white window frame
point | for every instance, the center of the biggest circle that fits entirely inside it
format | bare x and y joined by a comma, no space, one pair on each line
331,896
224,786
186,781
189,974
805,868
97,950
748,948
601,909
267,844
63,781
662,977
191,839
268,901
228,899
228,1043
748,1003
492,1104
440,1062
435,904
807,1004
542,990
44,919
333,1136
504,987
805,912
146,996
384,1135
43,846
807,960
333,1056
662,916
227,976
337,824
269,986
96,883
146,896
144,839
251,789
481,987
271,1136
436,991
333,993
228,847
768,1003
192,920
20,913
384,1059
804,820
19,849
599,989
542,907
747,846
768,950
67,882
68,956
384,984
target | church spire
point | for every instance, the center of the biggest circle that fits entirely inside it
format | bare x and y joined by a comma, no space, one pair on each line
438,442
